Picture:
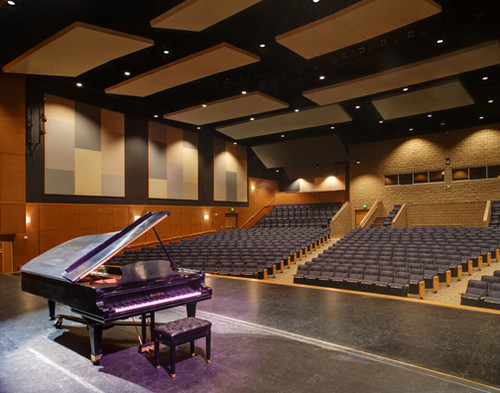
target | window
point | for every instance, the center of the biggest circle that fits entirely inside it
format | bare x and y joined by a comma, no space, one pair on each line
477,173
436,176
494,172
406,178
460,174
391,180
421,177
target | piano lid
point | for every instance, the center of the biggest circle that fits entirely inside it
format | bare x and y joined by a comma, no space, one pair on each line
76,258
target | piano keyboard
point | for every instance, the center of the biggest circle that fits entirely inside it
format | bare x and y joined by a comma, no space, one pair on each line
147,302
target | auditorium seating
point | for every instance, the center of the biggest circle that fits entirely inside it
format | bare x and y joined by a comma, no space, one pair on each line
300,215
255,253
429,255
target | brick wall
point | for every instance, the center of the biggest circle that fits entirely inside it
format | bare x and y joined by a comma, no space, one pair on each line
465,148
342,222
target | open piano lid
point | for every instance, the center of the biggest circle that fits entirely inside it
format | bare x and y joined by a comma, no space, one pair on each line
89,252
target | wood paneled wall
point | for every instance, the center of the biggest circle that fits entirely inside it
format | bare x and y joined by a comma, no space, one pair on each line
53,224
12,154
311,197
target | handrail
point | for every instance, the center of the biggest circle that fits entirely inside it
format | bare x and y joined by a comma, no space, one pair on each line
169,239
370,213
398,215
487,214
262,208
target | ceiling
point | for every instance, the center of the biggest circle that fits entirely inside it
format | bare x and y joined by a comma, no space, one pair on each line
269,71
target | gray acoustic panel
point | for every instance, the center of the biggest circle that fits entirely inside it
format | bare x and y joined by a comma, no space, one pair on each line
304,158
307,118
439,97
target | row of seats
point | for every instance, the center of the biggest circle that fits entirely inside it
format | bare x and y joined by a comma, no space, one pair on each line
300,215
385,280
483,293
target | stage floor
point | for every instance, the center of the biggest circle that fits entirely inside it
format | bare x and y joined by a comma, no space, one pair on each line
266,337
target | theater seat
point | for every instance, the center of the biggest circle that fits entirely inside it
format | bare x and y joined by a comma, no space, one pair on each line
493,298
475,293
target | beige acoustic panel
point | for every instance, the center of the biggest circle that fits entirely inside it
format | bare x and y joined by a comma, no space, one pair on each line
357,23
228,108
440,97
197,15
464,60
76,49
214,60
287,122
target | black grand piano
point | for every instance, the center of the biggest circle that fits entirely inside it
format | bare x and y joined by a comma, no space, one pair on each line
78,273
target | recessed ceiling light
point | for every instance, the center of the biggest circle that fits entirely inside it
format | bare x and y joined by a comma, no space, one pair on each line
429,115
126,73
405,89
411,129
490,101
357,106
11,2
332,127
262,45
282,135
166,51
295,110
204,105
439,41
315,1
198,128
244,92
235,143
252,118
79,84
380,121
481,117
277,170
322,77
485,78
155,116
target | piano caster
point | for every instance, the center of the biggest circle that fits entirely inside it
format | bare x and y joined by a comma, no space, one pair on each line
158,367
95,359
172,375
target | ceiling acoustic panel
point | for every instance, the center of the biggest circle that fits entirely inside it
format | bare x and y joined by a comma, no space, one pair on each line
436,98
197,15
308,118
357,23
76,49
219,58
464,60
228,108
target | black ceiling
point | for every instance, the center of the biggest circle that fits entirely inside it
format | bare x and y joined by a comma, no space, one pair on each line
280,73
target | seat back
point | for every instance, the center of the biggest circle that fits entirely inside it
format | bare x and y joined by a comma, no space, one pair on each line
476,287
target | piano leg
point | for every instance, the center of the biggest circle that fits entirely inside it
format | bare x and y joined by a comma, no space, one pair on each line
52,310
95,331
191,309
145,345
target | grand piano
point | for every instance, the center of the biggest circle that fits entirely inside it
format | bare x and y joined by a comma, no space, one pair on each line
79,273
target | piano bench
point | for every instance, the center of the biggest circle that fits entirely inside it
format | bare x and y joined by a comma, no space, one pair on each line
179,332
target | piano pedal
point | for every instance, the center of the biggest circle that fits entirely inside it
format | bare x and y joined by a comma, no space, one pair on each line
58,322
148,347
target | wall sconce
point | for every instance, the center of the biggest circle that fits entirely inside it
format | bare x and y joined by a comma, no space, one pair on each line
28,219
136,218
206,217
358,161
252,187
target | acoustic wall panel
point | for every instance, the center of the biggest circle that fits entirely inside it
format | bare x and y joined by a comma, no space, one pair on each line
173,162
84,149
230,172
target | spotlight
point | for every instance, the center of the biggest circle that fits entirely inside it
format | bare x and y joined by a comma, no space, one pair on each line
126,73
358,161
11,2
79,84
166,52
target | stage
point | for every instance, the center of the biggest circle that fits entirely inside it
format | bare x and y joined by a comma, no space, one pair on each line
265,337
